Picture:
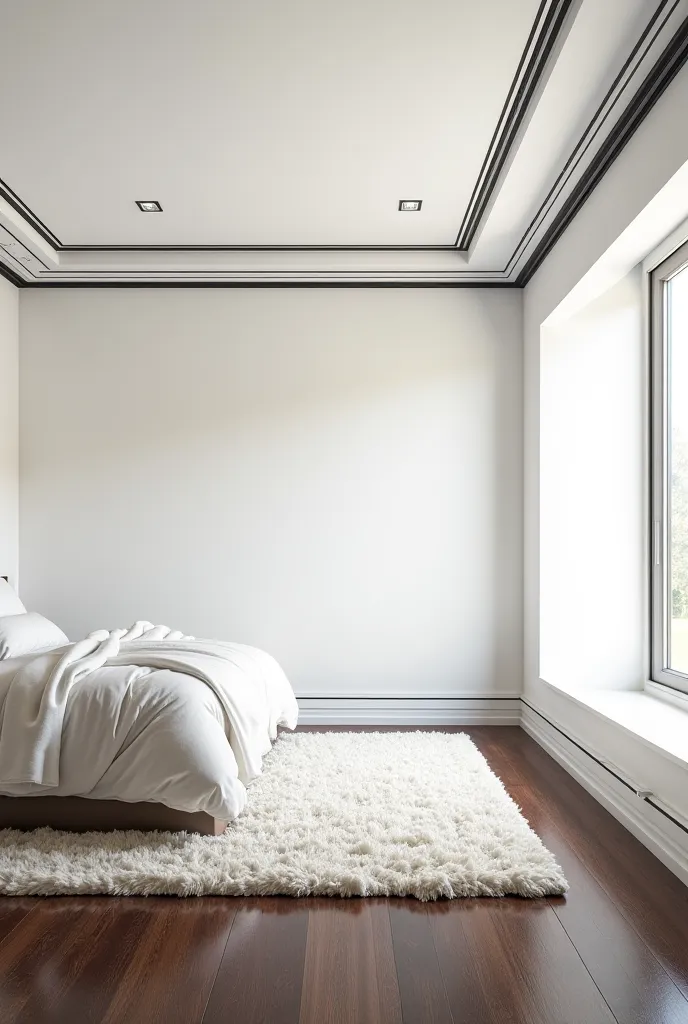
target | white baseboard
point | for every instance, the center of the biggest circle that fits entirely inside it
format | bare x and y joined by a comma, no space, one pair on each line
665,840
471,710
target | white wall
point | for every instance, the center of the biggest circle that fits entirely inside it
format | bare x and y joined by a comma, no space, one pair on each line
332,475
592,493
9,426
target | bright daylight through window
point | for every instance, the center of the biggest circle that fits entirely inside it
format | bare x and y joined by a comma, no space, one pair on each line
670,471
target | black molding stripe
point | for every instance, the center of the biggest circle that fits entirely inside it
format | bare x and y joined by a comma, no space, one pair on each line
48,283
10,276
660,77
542,40
491,276
645,42
16,262
11,197
606,767
257,248
24,246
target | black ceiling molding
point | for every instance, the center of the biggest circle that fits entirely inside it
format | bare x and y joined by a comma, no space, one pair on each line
24,246
596,123
27,213
218,278
257,248
16,262
10,276
489,276
268,284
543,37
662,74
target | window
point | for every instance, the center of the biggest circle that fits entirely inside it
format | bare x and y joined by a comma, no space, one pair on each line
669,578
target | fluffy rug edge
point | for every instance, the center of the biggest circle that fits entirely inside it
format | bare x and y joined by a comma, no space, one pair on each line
135,872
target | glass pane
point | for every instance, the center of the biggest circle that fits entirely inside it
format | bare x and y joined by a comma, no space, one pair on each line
677,433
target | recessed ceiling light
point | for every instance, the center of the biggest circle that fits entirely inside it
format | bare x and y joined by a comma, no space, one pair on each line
410,205
149,205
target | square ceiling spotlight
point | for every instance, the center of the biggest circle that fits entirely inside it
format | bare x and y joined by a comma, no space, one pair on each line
149,205
410,205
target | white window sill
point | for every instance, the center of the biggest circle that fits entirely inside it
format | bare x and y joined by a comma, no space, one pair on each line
655,722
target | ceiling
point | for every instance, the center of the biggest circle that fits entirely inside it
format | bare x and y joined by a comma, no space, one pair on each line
279,138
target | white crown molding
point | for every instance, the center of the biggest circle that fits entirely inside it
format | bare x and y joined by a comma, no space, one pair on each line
275,266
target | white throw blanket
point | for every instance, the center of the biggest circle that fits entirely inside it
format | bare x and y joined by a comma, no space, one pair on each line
33,712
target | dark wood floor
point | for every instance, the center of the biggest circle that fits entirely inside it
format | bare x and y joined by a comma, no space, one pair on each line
615,949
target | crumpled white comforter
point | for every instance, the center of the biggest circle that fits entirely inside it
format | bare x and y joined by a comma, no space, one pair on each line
142,714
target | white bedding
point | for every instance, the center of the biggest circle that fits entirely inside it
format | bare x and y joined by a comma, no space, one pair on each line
142,714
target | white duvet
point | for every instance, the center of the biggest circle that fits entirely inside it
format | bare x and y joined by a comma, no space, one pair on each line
142,714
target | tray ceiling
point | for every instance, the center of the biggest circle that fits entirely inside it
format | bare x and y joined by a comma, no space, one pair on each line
279,139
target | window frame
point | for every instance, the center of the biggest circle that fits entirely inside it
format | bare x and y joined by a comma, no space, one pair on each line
660,580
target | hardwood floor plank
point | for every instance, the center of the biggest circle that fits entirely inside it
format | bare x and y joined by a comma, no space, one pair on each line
385,964
421,986
108,960
45,954
261,973
350,974
652,899
633,982
517,965
468,1001
490,742
14,909
185,943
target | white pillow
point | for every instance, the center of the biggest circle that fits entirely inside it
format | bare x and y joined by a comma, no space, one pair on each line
28,633
9,602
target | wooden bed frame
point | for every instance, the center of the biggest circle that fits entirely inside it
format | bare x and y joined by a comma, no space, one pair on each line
79,814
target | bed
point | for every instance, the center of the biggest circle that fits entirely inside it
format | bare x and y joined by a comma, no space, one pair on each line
139,728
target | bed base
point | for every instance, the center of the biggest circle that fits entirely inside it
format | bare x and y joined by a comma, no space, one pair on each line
79,814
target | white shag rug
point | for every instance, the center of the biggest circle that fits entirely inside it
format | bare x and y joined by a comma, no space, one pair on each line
334,814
